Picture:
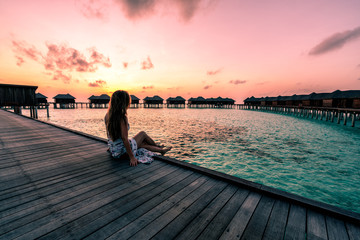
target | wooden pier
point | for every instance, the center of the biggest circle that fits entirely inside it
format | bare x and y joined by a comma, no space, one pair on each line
61,184
345,116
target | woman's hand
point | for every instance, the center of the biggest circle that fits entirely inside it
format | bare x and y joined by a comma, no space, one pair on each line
133,161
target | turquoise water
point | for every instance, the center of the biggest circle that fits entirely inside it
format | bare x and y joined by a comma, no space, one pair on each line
311,158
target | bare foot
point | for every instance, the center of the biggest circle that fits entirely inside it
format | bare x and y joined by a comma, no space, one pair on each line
165,150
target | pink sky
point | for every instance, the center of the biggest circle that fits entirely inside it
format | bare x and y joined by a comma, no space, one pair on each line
209,48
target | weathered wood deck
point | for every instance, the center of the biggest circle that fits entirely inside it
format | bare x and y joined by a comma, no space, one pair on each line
55,184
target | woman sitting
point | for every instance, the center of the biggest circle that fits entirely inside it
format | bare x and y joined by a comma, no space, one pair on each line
117,127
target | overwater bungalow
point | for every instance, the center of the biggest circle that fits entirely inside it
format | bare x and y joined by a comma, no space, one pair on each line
64,101
198,102
101,101
41,99
17,96
336,99
135,101
344,99
253,101
177,102
153,102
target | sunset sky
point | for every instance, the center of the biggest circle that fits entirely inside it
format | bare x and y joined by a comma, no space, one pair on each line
191,48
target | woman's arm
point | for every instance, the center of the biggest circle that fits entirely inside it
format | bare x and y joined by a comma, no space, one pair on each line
125,138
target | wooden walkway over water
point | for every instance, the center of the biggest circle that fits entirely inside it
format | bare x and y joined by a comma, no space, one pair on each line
56,184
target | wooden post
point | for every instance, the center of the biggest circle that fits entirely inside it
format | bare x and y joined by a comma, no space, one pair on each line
47,111
353,120
338,117
345,118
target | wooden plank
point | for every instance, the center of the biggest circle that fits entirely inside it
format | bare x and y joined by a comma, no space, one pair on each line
99,218
157,224
218,225
296,225
86,165
238,224
275,228
141,222
198,224
257,224
336,229
34,228
58,175
68,201
316,226
353,231
51,172
188,214
107,224
65,190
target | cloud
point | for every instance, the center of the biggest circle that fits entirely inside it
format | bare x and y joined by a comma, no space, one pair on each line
93,8
359,79
19,61
211,73
125,64
61,60
98,83
188,8
236,82
137,9
67,58
147,87
23,49
59,75
147,64
207,87
335,41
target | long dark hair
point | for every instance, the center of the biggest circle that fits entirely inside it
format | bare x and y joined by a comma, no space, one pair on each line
117,112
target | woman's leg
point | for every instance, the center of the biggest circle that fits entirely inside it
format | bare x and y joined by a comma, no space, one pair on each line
156,148
142,137
144,141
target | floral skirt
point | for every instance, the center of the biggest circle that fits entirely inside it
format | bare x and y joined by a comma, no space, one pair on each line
117,149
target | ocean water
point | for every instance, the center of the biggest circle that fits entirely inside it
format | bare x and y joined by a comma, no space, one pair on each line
311,158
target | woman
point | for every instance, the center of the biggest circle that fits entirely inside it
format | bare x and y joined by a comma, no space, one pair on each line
117,127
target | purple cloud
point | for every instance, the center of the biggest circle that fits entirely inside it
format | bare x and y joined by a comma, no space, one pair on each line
136,9
211,73
335,41
98,83
236,82
207,87
147,87
60,60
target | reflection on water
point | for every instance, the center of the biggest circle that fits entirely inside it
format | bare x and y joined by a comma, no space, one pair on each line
310,158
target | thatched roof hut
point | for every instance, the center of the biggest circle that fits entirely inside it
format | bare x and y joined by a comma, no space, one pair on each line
134,99
64,98
102,99
176,100
153,100
40,98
